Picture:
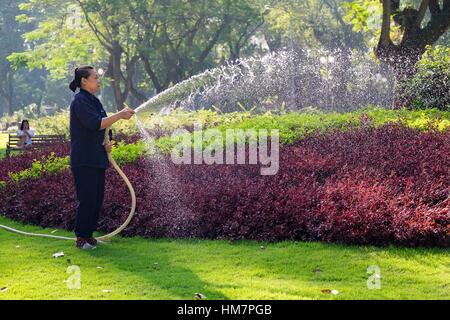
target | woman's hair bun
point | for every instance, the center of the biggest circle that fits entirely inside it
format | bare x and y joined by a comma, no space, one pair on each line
80,72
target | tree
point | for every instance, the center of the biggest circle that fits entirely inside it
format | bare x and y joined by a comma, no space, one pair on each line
61,39
401,49
309,24
404,55
11,41
114,29
147,45
248,19
177,39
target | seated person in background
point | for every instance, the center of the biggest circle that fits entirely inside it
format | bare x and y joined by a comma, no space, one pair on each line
25,133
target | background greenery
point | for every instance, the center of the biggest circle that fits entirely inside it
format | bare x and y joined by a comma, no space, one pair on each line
146,46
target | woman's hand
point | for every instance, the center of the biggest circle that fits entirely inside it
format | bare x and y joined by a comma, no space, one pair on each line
108,146
27,132
126,113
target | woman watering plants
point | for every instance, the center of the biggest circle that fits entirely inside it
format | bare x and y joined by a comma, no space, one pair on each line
88,153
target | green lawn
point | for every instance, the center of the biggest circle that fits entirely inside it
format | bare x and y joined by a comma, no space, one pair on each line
3,141
137,268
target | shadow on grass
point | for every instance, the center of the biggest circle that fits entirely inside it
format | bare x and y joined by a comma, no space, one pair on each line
153,264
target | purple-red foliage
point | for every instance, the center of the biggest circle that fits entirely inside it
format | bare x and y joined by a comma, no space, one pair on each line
23,160
387,185
126,138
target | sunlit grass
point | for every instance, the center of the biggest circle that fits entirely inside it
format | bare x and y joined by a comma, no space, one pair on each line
137,268
3,142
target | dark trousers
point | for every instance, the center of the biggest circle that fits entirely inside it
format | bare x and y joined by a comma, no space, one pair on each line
90,187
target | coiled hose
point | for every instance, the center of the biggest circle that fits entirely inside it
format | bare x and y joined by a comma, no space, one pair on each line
109,235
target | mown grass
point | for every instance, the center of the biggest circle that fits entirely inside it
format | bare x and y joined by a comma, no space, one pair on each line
3,142
137,268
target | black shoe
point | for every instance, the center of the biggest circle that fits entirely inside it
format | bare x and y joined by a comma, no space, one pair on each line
82,243
92,241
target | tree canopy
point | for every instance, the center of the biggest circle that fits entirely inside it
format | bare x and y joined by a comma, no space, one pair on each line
146,46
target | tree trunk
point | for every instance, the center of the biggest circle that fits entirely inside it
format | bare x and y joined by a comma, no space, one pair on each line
139,96
116,77
402,57
10,92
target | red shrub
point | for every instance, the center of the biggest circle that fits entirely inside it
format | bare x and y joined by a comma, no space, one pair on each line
388,185
25,158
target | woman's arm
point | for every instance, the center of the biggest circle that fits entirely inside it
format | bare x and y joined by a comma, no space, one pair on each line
91,119
109,121
125,113
30,133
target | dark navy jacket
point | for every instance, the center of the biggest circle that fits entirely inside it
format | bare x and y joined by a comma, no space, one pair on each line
86,137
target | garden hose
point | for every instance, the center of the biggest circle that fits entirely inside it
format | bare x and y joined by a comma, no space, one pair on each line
109,235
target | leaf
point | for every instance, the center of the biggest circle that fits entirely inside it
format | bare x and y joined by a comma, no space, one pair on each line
199,296
58,254
329,291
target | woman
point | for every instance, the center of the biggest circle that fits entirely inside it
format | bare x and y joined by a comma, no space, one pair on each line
25,133
88,154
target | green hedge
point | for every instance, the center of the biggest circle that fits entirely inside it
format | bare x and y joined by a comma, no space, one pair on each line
121,152
292,127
